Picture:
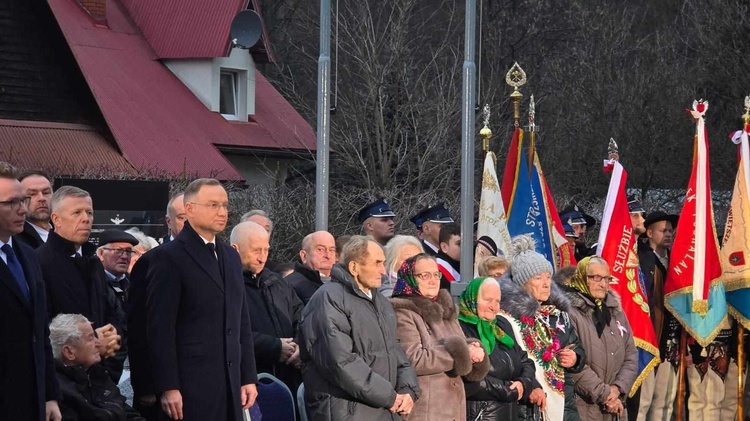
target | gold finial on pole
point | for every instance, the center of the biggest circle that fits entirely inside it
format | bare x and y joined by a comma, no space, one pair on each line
746,116
613,151
516,78
486,133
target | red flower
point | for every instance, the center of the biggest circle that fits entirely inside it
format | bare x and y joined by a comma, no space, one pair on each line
529,342
547,356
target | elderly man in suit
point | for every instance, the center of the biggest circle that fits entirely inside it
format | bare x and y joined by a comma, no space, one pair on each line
198,333
28,388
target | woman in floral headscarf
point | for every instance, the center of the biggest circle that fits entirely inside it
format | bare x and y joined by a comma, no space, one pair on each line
511,376
612,366
432,340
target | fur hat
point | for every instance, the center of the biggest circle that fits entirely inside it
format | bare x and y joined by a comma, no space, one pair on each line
525,262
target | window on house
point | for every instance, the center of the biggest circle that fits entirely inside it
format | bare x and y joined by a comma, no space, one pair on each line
228,94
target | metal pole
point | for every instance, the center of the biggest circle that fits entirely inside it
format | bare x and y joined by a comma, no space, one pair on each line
324,118
468,127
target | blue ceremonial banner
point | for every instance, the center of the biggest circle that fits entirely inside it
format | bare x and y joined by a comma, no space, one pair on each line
527,211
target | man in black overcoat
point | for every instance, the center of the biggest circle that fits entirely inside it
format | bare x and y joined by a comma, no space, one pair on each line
197,325
28,387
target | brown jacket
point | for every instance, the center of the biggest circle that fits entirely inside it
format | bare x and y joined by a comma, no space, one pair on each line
439,352
612,359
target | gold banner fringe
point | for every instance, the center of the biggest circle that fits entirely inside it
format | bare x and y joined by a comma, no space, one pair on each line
704,342
651,366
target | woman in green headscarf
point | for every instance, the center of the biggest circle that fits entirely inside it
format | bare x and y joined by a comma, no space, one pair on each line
511,376
606,337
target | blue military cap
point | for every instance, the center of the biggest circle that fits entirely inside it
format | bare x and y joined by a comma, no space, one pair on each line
572,215
634,204
435,213
569,230
378,209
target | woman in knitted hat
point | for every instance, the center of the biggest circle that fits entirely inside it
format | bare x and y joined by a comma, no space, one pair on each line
433,341
603,384
511,376
537,310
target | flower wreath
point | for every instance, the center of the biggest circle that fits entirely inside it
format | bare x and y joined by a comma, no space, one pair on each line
543,343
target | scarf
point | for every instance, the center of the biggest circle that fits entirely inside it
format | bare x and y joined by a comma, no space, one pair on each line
580,283
489,332
406,282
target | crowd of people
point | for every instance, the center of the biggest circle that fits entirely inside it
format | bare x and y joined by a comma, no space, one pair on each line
365,323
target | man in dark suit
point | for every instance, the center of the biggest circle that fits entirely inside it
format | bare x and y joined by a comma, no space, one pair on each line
28,388
200,343
74,277
38,187
175,217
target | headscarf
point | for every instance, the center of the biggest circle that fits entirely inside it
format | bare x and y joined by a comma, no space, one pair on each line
406,282
579,282
489,332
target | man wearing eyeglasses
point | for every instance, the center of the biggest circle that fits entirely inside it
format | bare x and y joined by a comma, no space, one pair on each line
198,333
115,251
28,387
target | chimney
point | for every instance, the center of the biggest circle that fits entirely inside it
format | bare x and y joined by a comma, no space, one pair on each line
97,9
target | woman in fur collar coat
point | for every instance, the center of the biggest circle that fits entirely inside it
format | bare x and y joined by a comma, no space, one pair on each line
538,312
612,366
433,341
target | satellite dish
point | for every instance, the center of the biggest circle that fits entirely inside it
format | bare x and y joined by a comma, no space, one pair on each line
246,29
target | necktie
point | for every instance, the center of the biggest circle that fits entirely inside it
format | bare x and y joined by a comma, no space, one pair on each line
16,269
212,248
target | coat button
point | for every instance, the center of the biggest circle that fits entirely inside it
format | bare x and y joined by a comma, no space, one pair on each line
229,331
229,364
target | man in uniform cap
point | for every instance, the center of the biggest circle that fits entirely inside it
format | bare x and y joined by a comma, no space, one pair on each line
377,221
429,221
636,214
580,222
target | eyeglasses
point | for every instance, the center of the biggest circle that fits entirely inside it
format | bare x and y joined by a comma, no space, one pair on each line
120,252
15,203
599,278
428,276
214,207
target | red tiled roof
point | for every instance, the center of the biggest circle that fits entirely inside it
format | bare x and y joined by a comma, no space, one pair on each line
60,148
156,120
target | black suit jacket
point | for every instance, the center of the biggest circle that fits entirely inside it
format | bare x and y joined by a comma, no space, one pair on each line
27,376
198,326
29,236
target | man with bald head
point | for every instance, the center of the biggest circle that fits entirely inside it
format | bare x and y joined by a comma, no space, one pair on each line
318,255
175,218
273,305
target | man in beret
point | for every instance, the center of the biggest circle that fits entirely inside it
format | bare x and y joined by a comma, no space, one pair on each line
429,221
115,250
377,221
580,222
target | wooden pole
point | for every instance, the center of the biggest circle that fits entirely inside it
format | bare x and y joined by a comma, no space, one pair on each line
681,389
741,363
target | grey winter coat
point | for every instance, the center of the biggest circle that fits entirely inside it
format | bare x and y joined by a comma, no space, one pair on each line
352,363
518,302
612,359
435,345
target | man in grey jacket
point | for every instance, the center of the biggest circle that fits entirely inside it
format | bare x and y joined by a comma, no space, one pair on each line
352,365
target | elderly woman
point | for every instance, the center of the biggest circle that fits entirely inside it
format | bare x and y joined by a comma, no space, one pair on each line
538,312
511,375
606,337
398,249
145,243
432,340
494,267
